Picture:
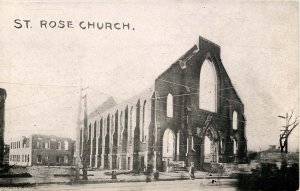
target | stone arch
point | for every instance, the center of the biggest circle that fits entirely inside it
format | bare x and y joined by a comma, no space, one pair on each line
211,145
168,148
208,83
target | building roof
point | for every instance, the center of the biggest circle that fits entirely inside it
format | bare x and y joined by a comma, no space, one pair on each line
107,104
272,148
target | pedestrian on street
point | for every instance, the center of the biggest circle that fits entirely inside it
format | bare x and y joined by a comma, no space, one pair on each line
192,171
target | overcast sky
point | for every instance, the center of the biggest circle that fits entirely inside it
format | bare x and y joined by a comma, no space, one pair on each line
41,68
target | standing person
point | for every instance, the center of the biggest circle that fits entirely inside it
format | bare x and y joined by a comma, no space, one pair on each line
192,171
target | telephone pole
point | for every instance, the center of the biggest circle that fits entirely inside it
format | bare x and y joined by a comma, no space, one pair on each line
84,157
287,129
81,160
77,152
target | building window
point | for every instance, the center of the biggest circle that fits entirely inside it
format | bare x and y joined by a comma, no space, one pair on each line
80,142
47,145
95,129
193,143
39,159
168,144
235,146
59,145
105,129
57,160
27,158
66,159
120,129
170,106
112,125
235,120
208,87
38,145
143,122
130,125
98,129
90,131
66,145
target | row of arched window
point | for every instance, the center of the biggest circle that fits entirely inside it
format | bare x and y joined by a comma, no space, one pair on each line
131,119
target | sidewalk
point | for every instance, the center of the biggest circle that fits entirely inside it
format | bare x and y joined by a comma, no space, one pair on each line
96,177
99,176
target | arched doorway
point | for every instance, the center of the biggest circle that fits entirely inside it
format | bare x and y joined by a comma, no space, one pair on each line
168,145
207,150
210,147
234,147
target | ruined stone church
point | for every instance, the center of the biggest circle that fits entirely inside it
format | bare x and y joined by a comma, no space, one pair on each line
192,113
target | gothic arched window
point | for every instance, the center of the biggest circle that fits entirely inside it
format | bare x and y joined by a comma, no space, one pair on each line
66,145
143,124
170,106
208,87
120,137
234,120
130,125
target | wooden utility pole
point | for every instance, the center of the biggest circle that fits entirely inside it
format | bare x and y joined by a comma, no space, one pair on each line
81,160
287,129
84,155
77,152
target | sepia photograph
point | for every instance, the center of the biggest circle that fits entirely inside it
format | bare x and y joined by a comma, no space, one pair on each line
149,95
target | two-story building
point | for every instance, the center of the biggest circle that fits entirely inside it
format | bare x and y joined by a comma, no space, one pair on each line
41,150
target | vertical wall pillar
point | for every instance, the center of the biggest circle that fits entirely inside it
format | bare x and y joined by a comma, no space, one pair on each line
154,160
103,150
191,155
91,150
146,158
178,146
202,153
96,154
102,157
82,141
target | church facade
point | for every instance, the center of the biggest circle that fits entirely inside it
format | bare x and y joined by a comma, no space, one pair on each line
192,113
